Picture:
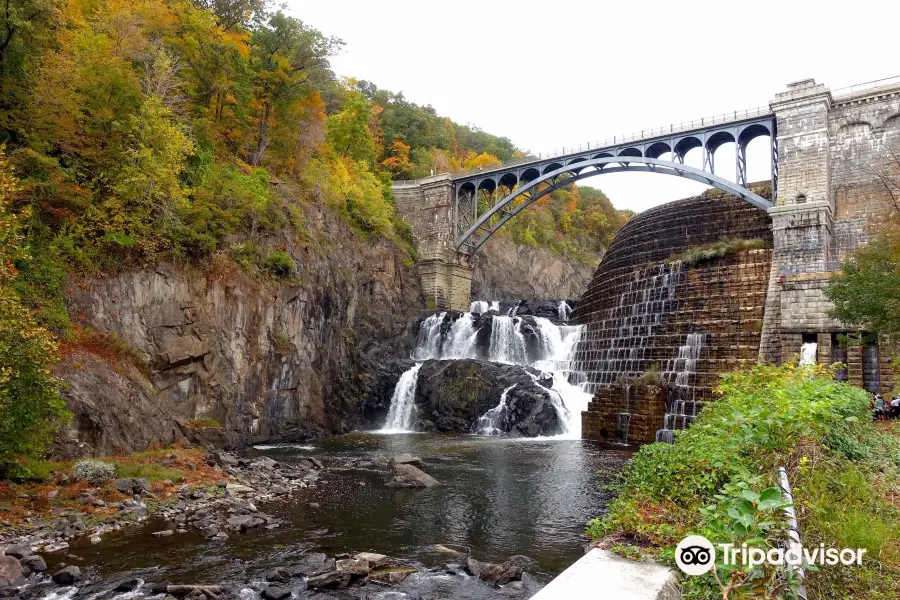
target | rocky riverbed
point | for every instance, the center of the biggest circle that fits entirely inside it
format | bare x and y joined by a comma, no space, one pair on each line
44,556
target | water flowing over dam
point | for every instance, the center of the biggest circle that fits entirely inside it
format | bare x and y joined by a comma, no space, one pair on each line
678,299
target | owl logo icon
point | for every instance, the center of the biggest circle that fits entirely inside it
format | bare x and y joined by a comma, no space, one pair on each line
695,555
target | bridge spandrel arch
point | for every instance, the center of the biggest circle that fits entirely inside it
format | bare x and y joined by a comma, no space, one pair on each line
528,192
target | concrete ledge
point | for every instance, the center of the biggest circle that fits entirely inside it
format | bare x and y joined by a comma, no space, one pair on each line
602,575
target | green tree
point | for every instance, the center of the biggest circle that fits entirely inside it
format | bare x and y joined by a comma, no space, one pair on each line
31,409
867,291
348,133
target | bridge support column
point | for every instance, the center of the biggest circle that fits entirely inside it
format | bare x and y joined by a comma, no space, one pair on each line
444,275
801,222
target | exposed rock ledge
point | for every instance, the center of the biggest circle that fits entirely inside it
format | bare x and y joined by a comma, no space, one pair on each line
451,395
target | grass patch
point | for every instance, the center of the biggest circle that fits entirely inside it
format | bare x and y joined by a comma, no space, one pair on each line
723,247
718,480
109,346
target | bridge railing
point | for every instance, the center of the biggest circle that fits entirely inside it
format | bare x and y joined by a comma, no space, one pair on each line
851,90
644,134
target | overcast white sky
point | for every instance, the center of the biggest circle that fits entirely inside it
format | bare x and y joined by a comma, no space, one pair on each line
552,74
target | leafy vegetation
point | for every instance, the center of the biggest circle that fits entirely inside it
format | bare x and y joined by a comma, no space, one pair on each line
718,480
30,406
723,247
867,290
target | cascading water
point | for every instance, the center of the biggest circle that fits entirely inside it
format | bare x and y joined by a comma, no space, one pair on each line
808,353
513,309
402,414
479,307
429,339
554,356
490,422
563,310
507,341
682,407
461,339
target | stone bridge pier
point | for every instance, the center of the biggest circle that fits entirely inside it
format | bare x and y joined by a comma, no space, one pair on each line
445,274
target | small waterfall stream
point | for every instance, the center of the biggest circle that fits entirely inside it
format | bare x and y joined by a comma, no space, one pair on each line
507,341
402,414
489,423
808,353
553,356
682,407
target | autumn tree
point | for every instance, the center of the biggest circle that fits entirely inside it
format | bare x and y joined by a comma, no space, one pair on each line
285,55
31,409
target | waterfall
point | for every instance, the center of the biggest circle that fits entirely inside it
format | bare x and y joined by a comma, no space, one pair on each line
563,310
513,309
490,422
479,307
681,409
461,339
555,356
507,341
428,344
402,414
808,353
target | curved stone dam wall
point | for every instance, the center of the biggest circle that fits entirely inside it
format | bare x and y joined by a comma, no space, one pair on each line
658,330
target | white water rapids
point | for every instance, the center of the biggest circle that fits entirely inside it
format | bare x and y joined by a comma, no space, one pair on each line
554,354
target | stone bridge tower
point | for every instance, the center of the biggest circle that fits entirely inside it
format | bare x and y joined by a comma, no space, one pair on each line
445,275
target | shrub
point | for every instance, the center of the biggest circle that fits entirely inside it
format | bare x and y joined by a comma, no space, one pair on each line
280,264
723,247
94,472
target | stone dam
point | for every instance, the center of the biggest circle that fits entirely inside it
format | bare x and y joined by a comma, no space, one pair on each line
657,330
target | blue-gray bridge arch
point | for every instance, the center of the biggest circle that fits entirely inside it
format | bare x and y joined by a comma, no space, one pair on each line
534,178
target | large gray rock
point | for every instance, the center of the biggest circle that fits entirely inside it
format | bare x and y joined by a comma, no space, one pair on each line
408,476
452,395
10,572
494,574
67,576
329,581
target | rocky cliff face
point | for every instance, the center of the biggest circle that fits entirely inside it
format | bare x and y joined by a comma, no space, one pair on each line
234,359
507,271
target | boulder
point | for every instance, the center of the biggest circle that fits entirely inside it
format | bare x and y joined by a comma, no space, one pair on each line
34,562
124,486
391,575
129,585
67,576
181,591
452,395
408,476
11,572
354,566
329,581
279,574
406,459
374,560
237,488
494,574
274,592
314,563
18,551
163,533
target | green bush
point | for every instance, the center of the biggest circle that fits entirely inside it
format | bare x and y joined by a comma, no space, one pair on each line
280,264
723,247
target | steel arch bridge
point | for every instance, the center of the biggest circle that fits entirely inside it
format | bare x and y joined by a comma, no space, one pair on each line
485,200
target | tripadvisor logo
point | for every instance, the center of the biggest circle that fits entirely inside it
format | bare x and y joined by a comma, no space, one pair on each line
696,555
